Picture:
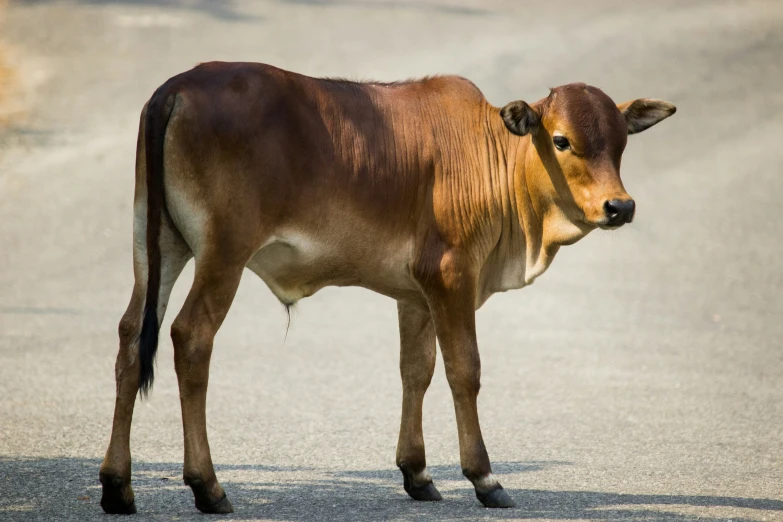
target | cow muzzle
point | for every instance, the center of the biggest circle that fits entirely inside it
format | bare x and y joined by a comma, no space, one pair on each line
619,212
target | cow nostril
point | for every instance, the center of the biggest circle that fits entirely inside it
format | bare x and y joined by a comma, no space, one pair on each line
620,211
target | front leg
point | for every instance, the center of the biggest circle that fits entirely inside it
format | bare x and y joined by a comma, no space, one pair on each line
452,300
417,364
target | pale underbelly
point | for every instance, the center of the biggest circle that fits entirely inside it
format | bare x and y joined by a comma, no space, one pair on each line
295,267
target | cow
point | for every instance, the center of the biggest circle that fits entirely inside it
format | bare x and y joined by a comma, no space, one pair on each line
419,190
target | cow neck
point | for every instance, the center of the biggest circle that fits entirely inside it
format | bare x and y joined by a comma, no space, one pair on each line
545,223
530,212
533,236
519,254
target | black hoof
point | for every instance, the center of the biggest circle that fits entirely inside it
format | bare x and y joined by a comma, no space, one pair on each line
117,508
117,498
221,507
495,498
427,492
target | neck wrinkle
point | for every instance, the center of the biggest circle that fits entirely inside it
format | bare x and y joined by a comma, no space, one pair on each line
504,146
518,247
523,227
531,219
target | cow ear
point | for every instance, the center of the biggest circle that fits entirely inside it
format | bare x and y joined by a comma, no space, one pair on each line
643,113
520,118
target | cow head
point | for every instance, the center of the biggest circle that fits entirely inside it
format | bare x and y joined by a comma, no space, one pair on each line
578,136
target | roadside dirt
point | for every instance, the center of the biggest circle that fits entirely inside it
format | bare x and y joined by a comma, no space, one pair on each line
7,78
6,87
22,74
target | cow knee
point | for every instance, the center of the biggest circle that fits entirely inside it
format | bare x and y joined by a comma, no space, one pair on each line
128,329
465,382
127,356
415,380
181,332
192,342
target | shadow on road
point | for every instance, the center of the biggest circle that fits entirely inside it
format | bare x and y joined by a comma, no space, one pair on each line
434,7
67,488
227,9
222,9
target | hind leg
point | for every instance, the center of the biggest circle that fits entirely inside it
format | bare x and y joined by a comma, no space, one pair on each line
115,473
217,277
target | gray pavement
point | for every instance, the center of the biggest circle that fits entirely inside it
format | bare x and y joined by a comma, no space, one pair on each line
640,379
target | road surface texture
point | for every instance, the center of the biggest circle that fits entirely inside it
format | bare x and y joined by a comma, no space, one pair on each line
641,378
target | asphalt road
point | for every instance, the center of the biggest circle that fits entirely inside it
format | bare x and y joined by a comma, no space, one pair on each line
641,378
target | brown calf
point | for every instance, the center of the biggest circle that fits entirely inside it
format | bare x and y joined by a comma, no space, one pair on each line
421,191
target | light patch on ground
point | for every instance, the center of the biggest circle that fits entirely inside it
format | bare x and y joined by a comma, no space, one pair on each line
20,78
683,510
17,508
6,73
149,20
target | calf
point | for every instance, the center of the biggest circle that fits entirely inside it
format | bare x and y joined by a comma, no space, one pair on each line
419,190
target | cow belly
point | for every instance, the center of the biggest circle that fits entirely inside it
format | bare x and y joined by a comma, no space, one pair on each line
295,266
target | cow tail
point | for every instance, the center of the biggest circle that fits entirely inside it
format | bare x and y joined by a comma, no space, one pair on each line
157,117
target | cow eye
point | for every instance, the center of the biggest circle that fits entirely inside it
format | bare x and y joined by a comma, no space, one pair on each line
561,142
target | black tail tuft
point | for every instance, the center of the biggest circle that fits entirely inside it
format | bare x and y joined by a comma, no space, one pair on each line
157,116
148,346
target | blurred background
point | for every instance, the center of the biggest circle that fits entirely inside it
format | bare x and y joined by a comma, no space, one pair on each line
639,379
